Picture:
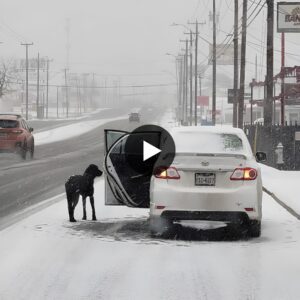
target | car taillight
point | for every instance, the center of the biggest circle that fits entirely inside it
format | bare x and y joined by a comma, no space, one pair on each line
17,131
167,173
244,174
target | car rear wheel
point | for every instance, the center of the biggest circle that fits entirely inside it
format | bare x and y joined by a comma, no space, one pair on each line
23,152
254,228
32,151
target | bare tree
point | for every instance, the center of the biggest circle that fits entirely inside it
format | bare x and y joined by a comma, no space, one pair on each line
4,83
9,77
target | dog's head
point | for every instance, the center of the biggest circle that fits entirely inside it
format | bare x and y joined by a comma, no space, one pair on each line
93,170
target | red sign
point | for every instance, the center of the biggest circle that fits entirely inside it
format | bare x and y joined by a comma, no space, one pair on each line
203,100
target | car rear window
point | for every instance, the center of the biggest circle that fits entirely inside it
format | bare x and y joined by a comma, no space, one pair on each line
8,124
207,142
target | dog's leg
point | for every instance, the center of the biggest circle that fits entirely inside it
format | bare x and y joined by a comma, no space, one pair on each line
70,208
75,199
84,207
93,208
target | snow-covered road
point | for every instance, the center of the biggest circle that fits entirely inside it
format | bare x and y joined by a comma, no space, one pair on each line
46,257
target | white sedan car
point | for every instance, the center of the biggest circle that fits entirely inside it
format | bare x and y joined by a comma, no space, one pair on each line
214,177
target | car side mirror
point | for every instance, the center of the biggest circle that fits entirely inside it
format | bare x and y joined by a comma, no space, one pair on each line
261,156
30,129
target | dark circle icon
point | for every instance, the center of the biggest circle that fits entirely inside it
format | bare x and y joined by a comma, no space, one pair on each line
148,148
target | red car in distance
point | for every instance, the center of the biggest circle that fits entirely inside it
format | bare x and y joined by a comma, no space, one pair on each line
15,135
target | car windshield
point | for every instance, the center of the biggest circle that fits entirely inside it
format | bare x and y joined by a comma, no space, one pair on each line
8,124
207,142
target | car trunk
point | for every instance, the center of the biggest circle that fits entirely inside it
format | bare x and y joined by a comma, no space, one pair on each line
207,170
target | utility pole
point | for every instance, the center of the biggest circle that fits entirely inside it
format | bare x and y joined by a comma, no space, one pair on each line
183,88
57,102
268,103
186,80
256,66
191,78
214,91
67,95
236,64
47,87
93,91
26,45
196,73
105,91
181,85
243,65
282,76
38,87
196,67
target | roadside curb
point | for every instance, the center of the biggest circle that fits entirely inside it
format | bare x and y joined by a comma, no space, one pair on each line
288,208
14,218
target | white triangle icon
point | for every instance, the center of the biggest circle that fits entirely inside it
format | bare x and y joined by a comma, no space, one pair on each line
149,150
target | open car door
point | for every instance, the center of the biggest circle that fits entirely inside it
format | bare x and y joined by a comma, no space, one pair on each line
112,195
128,185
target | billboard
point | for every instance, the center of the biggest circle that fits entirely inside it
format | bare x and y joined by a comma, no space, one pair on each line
288,17
224,52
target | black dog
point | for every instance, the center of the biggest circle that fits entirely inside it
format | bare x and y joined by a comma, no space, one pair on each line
82,185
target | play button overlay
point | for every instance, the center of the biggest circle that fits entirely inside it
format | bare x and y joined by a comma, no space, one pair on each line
147,148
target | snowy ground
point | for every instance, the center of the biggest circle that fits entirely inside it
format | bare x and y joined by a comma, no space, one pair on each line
46,257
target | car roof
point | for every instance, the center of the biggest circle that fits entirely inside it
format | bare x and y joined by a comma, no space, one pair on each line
10,116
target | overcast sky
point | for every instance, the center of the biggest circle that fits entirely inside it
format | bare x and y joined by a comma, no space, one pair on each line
125,38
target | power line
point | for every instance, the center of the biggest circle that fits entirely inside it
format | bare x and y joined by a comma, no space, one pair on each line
104,87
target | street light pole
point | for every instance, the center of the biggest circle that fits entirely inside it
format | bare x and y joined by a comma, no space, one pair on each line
26,45
214,91
191,78
243,65
196,72
38,87
236,64
47,88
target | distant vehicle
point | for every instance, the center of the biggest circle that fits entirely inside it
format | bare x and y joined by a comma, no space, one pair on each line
15,135
134,117
214,177
259,121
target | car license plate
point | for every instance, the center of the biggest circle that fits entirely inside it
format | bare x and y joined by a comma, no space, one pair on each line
205,179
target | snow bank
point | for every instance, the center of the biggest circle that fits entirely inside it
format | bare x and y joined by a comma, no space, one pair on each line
284,185
70,131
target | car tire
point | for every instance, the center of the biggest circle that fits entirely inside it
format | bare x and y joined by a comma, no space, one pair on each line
23,151
32,151
254,229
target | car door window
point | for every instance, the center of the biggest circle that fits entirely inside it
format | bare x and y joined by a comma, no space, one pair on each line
111,136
